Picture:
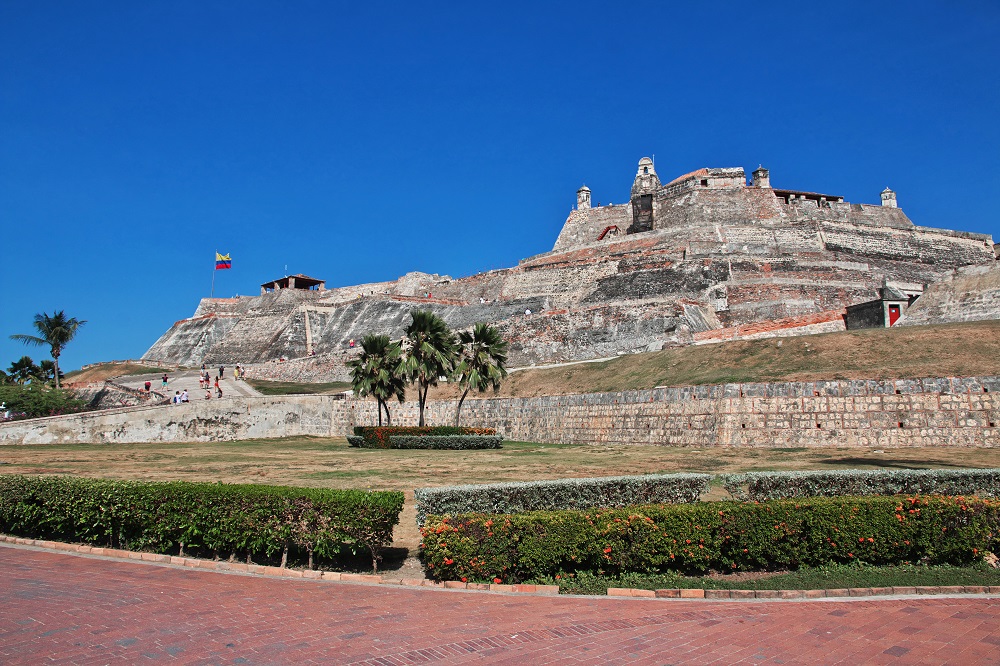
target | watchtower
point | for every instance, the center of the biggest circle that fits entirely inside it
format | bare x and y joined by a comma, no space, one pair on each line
889,198
583,198
761,177
644,188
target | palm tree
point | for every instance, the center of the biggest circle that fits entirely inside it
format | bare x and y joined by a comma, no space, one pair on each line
432,351
56,331
377,372
49,370
24,370
481,364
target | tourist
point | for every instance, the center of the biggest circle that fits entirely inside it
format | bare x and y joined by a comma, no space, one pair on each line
351,343
222,371
177,398
218,390
236,373
184,396
208,394
163,384
149,385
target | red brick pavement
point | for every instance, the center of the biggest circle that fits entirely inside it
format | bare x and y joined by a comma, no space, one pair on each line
59,608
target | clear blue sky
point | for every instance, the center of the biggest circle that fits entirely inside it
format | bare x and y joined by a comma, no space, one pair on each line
358,141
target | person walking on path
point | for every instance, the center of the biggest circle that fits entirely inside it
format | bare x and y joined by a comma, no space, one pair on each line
222,371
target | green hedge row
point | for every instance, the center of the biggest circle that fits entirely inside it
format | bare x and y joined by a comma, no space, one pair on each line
694,538
452,442
218,520
774,485
609,491
377,437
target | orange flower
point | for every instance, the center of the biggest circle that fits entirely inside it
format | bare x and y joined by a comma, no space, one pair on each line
496,580
608,549
448,560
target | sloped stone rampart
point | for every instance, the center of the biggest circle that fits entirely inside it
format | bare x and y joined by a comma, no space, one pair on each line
972,295
962,412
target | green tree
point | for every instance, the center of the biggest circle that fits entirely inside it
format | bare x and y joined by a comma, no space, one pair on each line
49,370
431,353
57,331
24,370
377,372
483,355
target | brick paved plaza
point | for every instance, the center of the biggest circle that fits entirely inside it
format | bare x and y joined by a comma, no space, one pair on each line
58,608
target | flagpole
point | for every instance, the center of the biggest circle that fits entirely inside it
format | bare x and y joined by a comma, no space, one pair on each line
214,270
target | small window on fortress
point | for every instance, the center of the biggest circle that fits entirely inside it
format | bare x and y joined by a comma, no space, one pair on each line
645,169
704,183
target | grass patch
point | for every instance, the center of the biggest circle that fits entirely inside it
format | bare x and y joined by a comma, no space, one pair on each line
100,373
947,350
821,578
297,388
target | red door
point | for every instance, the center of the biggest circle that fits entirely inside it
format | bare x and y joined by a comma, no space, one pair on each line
893,314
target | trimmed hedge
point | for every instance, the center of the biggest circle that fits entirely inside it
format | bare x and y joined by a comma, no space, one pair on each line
694,538
775,485
377,437
609,491
202,518
453,442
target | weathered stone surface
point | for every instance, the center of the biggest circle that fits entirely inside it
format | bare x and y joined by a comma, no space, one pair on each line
721,260
954,412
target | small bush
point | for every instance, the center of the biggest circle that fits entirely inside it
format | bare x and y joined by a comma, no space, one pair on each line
775,485
201,518
377,437
29,402
609,491
726,536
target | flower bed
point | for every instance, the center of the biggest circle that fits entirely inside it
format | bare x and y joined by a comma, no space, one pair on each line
695,538
219,520
424,437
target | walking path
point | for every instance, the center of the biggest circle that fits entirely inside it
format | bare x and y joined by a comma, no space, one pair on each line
188,379
84,609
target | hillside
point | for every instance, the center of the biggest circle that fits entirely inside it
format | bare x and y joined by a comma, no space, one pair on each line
105,371
897,353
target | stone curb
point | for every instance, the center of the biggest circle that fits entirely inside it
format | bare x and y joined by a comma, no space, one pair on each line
548,590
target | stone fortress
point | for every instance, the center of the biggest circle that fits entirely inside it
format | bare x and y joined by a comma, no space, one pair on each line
703,258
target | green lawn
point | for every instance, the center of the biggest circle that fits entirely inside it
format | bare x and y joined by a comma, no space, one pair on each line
828,578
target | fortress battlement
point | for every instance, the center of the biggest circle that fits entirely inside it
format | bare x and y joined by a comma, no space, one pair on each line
706,257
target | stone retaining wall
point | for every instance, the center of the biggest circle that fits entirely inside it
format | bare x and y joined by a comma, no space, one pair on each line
929,412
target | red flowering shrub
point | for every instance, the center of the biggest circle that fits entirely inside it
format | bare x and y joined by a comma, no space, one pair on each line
695,538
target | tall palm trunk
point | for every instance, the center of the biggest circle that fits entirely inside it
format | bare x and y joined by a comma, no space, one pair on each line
55,364
458,410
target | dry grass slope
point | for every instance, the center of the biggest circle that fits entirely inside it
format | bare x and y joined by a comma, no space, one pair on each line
898,353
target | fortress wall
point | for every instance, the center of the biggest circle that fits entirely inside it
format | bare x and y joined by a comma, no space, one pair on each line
971,295
963,412
202,421
188,341
584,226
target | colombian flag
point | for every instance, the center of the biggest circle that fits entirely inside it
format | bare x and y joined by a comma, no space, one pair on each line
222,261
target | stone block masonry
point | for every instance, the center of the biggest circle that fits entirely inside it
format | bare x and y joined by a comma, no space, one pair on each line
703,258
951,411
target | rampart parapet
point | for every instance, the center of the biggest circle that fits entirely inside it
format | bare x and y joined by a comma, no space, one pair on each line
703,258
